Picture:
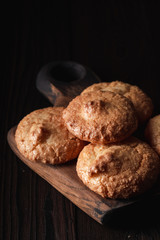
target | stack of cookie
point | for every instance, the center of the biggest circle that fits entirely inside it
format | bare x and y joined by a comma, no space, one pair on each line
96,127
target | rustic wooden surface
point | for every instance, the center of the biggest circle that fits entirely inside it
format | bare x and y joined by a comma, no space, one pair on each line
64,178
118,40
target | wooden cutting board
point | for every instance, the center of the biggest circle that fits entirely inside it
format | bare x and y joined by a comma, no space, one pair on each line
64,178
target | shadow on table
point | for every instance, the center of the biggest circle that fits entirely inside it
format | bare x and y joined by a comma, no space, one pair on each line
143,214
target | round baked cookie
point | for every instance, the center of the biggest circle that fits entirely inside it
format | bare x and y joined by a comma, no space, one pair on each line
42,136
142,103
100,117
152,133
118,171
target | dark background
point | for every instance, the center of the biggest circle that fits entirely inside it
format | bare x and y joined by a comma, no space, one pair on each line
117,40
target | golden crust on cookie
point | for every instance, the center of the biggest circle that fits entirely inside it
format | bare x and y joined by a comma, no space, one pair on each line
100,117
152,133
120,170
142,103
42,136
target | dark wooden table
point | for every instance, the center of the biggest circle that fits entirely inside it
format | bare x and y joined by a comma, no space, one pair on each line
118,40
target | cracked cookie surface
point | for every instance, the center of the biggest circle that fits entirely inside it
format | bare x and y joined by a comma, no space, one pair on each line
142,103
100,117
120,170
152,133
42,136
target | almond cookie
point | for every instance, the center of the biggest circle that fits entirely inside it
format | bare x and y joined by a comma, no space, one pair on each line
142,103
100,117
120,170
42,136
152,133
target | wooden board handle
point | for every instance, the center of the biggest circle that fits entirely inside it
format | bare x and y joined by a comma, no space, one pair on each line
61,81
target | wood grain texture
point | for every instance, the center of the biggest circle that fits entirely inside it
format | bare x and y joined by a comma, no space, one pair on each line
117,40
